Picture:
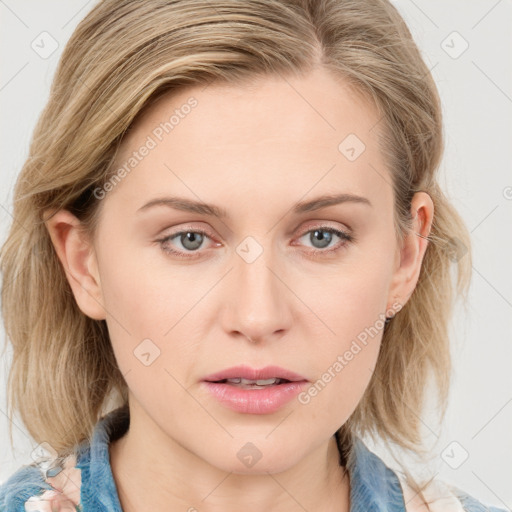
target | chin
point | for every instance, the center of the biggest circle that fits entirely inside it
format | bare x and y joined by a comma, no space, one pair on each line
257,457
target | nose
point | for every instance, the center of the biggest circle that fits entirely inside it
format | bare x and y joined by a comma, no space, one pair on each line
258,305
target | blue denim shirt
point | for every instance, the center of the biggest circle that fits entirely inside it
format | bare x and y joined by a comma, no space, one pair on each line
374,487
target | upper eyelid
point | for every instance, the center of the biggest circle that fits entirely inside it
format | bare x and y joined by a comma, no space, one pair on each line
317,225
325,226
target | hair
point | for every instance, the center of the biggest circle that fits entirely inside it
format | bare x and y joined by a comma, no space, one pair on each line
122,56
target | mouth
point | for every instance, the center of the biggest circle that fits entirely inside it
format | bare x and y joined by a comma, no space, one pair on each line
240,382
245,376
251,391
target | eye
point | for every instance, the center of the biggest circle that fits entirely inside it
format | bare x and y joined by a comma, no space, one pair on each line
322,236
190,241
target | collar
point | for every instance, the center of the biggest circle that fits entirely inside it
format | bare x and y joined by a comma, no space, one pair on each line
374,487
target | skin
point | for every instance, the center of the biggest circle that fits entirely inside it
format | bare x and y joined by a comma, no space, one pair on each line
255,151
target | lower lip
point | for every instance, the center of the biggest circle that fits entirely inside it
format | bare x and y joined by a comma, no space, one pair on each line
255,401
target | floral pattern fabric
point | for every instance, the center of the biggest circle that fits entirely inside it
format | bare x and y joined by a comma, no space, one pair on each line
65,495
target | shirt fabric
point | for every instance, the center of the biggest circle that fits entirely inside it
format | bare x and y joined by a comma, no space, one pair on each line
374,487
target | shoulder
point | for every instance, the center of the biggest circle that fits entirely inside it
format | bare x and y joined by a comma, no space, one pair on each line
20,486
438,496
83,479
37,487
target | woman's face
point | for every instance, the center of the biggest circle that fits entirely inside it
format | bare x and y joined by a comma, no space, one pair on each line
188,293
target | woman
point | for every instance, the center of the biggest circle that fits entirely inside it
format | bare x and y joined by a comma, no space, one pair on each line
230,250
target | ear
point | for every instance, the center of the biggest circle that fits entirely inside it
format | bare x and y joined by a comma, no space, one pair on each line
410,255
76,253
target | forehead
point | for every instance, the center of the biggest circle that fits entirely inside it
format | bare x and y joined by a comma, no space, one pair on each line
284,133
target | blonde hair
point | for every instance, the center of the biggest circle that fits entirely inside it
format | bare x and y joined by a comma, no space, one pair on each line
122,56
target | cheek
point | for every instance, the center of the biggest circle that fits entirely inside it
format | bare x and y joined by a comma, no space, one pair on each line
351,305
349,296
152,313
144,295
344,368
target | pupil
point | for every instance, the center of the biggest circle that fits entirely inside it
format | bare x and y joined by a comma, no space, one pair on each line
325,240
191,240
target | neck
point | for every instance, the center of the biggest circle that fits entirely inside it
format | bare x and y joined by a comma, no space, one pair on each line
165,476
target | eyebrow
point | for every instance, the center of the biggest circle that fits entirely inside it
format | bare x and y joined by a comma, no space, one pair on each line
188,205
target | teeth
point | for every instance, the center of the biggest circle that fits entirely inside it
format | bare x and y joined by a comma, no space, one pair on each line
247,382
266,382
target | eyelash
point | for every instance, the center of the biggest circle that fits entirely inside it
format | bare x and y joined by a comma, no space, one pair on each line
343,235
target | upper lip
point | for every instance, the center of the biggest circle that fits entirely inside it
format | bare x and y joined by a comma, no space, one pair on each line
246,372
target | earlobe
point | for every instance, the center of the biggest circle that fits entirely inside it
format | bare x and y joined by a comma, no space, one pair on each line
413,248
78,260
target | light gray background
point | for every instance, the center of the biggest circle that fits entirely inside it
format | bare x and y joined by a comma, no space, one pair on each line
476,91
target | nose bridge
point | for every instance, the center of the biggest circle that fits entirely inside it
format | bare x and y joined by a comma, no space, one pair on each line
258,297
